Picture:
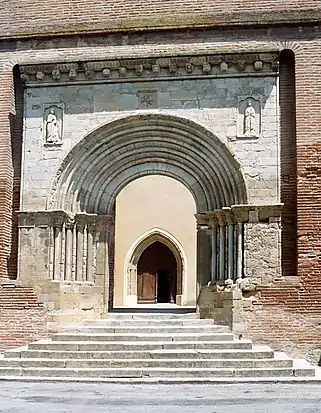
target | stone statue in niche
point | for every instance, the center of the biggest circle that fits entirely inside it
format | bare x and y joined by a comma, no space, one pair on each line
250,127
249,117
53,125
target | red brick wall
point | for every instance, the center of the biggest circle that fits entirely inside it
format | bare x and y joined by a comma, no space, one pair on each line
16,145
37,18
287,316
7,113
22,317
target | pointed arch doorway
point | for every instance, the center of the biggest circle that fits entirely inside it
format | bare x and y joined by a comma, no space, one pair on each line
156,269
156,275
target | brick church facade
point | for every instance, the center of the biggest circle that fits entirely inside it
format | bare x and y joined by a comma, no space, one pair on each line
216,104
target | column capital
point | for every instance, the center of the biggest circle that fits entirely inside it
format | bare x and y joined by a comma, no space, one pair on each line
221,217
229,215
202,219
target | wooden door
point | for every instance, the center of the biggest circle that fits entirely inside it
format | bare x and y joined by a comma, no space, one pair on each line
146,288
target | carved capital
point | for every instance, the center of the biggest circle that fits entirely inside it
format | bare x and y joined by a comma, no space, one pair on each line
221,217
70,222
202,220
229,216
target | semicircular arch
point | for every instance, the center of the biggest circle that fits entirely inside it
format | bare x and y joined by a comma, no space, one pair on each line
107,159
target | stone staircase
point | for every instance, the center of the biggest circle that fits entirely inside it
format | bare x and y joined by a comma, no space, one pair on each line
149,347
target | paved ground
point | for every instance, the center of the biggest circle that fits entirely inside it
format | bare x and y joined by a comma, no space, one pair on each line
97,398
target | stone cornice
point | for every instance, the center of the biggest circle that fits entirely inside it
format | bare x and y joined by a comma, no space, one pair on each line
153,68
229,18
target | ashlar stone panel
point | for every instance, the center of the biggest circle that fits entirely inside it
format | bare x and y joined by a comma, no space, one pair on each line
213,103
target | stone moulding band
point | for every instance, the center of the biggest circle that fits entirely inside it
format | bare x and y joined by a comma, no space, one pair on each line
239,214
58,218
158,68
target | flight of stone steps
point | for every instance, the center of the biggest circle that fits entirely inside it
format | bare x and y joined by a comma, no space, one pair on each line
149,347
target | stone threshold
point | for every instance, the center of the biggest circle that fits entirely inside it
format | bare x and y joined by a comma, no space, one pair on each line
154,308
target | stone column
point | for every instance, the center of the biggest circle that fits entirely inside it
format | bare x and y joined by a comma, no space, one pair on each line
221,217
80,243
230,244
69,273
239,264
90,256
213,222
241,216
57,248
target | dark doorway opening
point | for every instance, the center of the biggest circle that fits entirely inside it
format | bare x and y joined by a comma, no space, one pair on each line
157,275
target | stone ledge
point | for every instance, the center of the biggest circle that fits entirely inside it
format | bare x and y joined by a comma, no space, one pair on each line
170,22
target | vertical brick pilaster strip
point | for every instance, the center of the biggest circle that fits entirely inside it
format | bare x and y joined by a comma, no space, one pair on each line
16,145
288,163
308,111
7,112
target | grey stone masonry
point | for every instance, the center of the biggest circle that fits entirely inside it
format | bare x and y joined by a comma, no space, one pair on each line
214,91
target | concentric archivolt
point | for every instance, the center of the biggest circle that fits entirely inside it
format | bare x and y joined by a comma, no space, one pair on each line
109,158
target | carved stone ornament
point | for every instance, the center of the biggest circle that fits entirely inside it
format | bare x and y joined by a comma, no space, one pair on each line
40,75
189,68
258,65
24,77
207,68
223,67
139,69
180,66
156,69
106,72
122,71
249,117
146,99
172,68
72,73
56,74
53,125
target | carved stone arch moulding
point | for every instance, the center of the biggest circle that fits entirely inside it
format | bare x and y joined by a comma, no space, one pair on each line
110,157
135,252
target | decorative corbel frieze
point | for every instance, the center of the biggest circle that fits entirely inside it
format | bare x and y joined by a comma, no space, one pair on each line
212,65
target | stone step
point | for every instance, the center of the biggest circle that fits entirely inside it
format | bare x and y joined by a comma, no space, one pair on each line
135,345
144,337
147,363
149,322
147,372
261,352
169,315
92,330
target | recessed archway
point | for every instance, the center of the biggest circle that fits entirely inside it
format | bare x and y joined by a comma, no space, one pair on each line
109,158
119,152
